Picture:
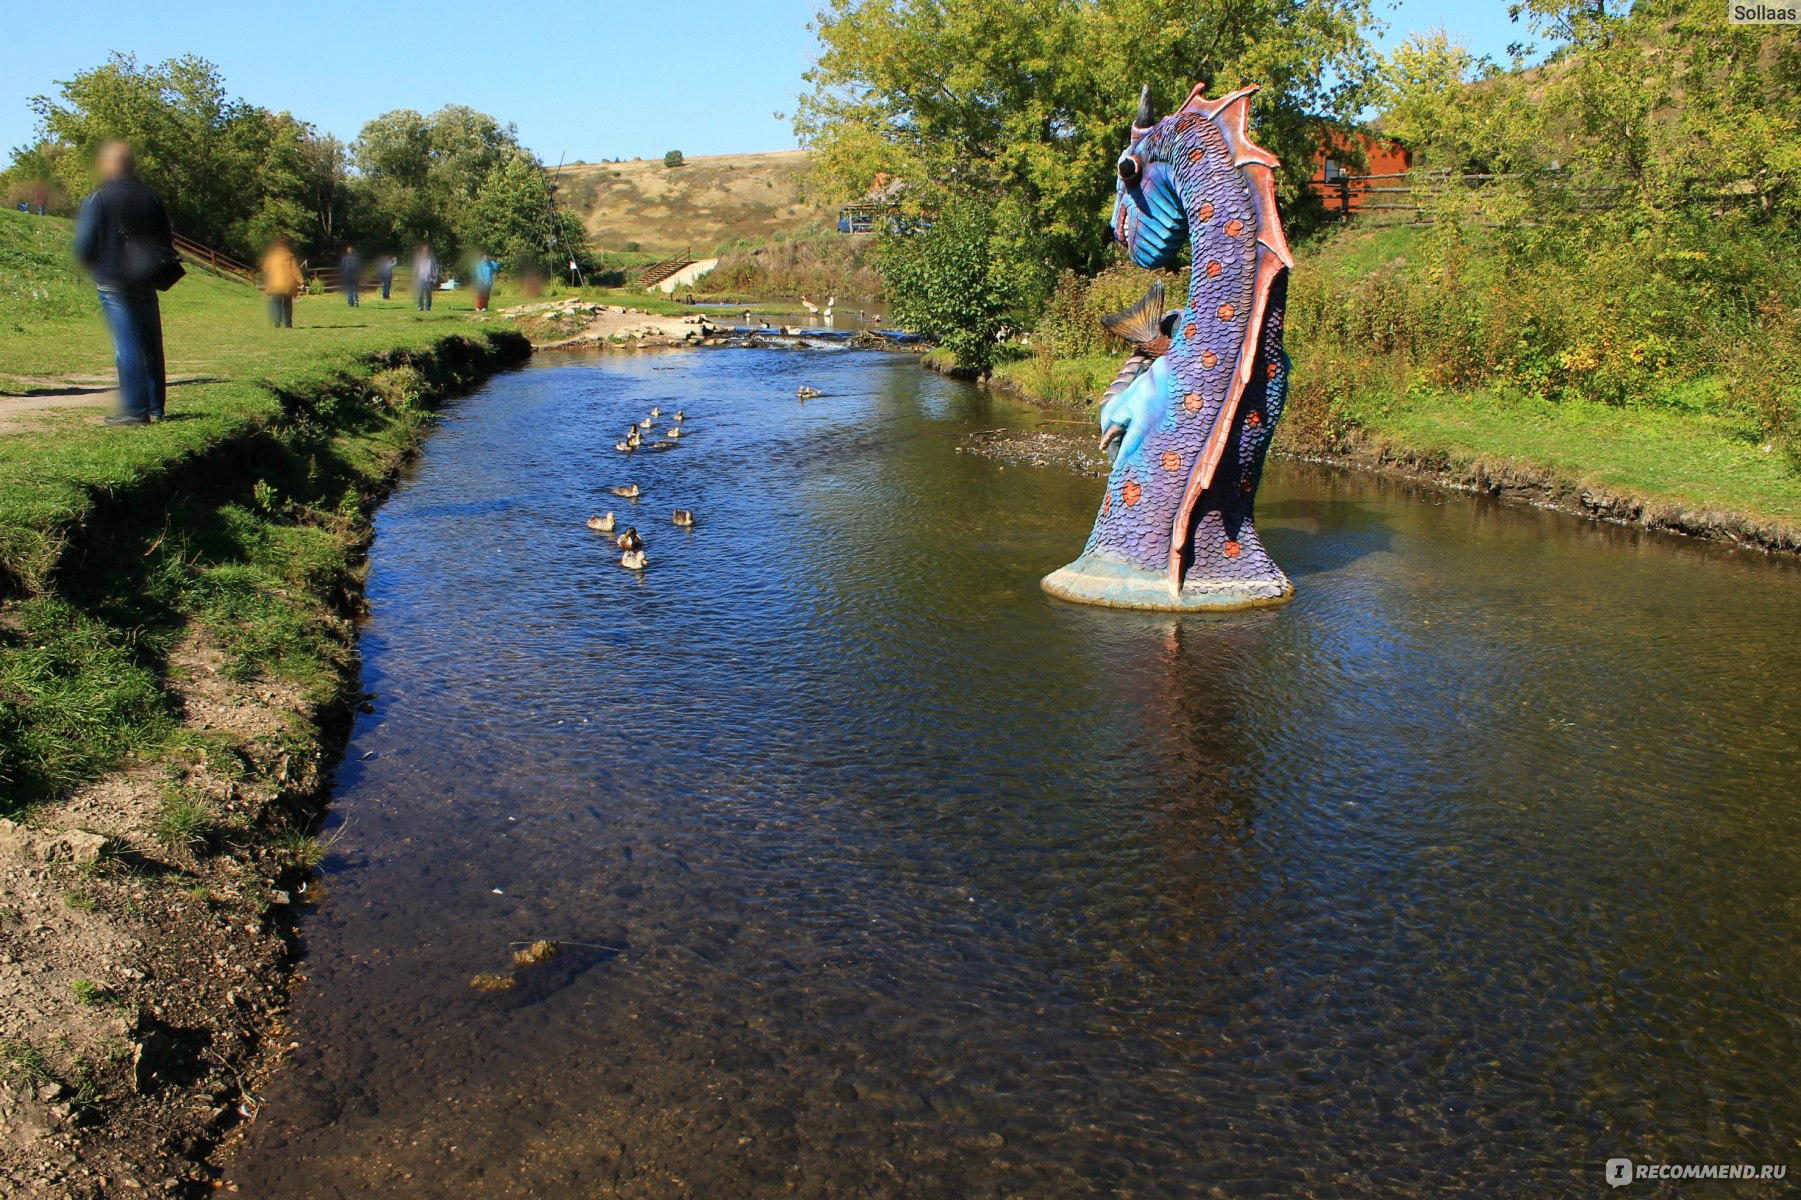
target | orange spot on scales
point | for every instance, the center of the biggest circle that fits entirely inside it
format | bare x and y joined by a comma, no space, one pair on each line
1131,493
1227,312
1208,358
1192,402
1196,155
1233,549
1205,211
1213,269
1172,461
1254,419
1234,227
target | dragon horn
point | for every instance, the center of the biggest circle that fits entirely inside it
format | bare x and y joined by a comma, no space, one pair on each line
1147,116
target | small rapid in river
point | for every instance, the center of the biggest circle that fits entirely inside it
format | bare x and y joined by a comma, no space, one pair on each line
880,873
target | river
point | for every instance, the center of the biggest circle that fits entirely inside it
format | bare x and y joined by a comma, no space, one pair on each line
1471,868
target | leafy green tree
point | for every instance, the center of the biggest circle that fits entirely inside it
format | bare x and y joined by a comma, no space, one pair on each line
512,217
418,175
959,279
673,159
1031,100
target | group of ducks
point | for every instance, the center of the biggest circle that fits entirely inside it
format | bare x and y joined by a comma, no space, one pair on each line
630,544
634,437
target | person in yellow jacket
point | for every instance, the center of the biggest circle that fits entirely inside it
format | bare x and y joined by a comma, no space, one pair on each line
282,281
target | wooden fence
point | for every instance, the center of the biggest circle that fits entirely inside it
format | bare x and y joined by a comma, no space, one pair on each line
218,260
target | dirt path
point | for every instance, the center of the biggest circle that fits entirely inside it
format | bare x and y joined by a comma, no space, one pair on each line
51,398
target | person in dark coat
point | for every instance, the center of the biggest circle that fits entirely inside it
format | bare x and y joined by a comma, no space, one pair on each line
122,237
350,269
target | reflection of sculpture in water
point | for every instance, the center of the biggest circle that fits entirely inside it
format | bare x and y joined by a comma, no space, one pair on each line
1196,403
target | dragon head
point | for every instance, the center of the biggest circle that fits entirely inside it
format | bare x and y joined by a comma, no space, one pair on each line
1148,216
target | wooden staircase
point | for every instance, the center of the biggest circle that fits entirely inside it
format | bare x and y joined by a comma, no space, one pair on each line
656,273
221,263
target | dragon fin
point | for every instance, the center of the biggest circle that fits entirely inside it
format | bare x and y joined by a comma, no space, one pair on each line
1141,323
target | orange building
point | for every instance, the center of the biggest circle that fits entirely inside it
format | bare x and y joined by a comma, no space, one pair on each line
1340,185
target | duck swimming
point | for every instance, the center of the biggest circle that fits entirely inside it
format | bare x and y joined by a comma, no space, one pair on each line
644,424
629,491
629,540
624,447
633,560
808,393
656,412
684,518
601,524
675,431
678,418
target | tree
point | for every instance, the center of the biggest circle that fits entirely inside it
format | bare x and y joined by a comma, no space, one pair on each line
1031,100
512,217
417,173
673,159
957,280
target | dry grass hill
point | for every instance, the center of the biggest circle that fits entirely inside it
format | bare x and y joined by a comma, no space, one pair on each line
707,202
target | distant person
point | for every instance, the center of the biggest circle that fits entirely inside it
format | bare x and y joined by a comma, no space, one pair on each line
282,281
349,275
425,276
385,273
486,270
123,239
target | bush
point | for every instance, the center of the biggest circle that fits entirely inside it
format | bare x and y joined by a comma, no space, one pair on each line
961,279
673,159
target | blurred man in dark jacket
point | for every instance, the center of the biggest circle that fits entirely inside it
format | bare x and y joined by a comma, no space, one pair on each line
350,275
123,238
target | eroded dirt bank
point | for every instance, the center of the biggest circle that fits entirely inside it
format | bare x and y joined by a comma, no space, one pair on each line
147,919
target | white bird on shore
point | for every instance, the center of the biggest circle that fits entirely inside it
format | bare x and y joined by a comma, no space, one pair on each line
809,305
600,524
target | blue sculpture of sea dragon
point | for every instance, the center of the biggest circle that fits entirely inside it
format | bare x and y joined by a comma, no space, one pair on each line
1195,405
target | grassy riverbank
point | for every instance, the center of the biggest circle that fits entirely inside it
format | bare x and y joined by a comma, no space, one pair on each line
1686,453
177,659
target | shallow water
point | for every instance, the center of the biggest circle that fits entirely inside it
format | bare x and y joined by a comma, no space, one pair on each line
1471,868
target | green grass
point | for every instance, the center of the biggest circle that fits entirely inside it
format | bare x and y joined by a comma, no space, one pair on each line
1701,459
238,519
184,823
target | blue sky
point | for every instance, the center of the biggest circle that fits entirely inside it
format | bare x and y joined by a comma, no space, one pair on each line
594,79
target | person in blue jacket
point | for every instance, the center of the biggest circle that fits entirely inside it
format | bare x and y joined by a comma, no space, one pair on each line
486,270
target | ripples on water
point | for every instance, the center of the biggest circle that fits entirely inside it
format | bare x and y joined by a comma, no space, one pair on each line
1471,868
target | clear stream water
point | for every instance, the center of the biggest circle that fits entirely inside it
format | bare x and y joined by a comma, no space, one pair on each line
1473,867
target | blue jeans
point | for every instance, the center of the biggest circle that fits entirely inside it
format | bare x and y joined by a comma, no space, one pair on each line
387,283
425,299
351,295
281,311
136,322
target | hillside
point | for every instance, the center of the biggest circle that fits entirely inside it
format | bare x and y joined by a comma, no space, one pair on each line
709,201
